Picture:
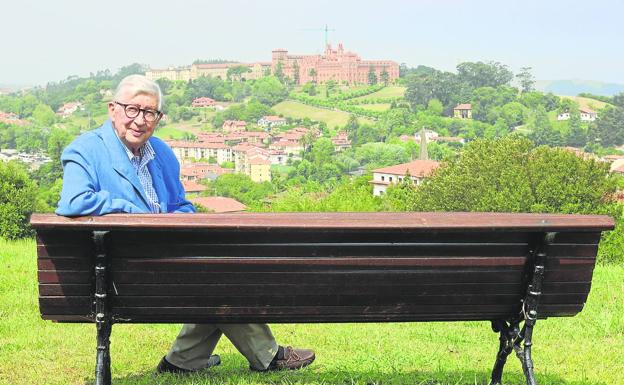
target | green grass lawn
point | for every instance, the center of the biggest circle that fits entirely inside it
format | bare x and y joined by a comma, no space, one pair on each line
170,132
375,107
332,118
583,350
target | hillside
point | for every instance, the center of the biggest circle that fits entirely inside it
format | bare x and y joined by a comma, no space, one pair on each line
575,87
333,118
587,102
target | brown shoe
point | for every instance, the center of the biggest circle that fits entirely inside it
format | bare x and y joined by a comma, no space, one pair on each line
293,359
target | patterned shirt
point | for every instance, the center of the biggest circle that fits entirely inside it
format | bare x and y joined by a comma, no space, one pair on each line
139,162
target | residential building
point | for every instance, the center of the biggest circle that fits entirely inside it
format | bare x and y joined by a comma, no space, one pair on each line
234,125
199,171
417,170
341,141
201,150
68,108
258,168
270,121
463,111
252,161
11,118
203,102
587,115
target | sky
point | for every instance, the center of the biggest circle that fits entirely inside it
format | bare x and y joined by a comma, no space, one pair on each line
45,41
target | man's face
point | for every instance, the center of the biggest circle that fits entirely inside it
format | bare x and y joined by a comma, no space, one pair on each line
133,132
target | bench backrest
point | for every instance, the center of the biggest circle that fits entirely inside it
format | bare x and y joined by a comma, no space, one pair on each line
314,267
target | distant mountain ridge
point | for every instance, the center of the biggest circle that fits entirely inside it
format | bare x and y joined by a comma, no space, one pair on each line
575,87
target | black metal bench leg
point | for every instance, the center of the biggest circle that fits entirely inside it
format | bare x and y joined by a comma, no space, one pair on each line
527,361
508,336
103,320
102,361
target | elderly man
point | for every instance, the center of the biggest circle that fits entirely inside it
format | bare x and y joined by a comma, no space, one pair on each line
121,168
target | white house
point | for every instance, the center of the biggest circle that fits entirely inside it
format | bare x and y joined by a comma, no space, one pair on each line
587,115
418,170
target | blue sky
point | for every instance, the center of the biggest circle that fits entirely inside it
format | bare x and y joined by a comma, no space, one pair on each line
50,40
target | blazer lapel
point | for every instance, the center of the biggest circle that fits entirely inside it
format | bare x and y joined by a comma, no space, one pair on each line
120,161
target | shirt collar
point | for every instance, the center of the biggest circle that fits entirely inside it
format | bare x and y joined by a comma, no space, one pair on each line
145,151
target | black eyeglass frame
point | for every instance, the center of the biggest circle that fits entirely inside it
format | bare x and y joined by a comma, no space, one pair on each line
157,114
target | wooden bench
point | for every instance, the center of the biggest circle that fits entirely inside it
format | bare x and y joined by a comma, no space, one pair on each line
509,269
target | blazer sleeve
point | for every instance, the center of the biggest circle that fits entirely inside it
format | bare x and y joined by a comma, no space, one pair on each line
80,194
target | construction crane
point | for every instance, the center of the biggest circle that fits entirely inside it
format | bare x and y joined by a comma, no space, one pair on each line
326,29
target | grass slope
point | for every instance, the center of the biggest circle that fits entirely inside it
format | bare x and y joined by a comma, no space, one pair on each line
332,118
584,350
386,92
587,102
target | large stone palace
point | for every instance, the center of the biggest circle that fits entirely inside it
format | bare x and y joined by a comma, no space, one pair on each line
335,64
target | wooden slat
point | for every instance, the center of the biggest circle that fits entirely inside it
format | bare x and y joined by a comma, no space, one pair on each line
66,263
302,264
52,289
320,250
228,289
415,221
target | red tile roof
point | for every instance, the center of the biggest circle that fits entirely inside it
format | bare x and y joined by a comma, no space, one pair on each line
191,186
418,168
465,106
219,204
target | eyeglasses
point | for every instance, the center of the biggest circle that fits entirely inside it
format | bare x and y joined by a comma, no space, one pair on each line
133,111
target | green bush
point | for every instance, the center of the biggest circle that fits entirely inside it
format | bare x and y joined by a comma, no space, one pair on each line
18,199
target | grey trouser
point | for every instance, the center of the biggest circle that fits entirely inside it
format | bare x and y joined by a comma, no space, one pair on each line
196,342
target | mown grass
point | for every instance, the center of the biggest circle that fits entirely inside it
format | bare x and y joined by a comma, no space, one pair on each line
376,107
584,102
170,132
583,350
297,110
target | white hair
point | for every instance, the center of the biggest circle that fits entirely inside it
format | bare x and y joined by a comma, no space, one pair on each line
139,84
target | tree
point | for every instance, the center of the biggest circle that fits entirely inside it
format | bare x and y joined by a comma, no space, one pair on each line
385,77
330,86
237,72
18,195
435,107
526,79
321,152
312,73
576,136
609,127
372,76
444,86
309,88
44,115
509,175
279,71
376,155
479,74
542,132
269,90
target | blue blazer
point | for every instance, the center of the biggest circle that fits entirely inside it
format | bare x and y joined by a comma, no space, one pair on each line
99,179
